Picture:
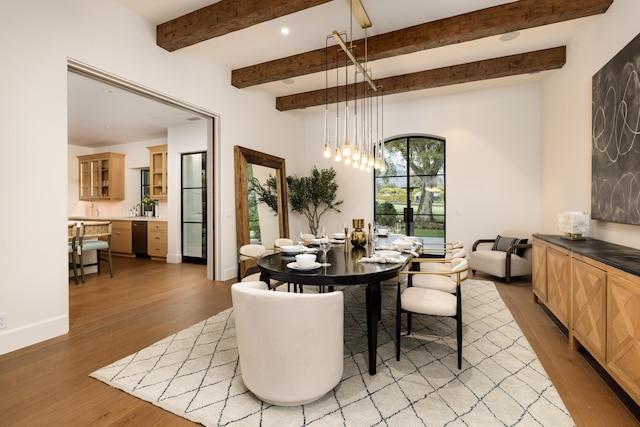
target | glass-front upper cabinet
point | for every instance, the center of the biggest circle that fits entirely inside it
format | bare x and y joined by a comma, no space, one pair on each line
158,172
101,176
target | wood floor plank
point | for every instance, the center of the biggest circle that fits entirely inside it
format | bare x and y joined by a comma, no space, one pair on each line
49,384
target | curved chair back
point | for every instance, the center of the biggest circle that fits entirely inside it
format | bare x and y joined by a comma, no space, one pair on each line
247,256
252,251
283,241
290,344
308,237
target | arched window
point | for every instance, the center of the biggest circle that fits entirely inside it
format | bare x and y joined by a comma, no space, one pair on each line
410,192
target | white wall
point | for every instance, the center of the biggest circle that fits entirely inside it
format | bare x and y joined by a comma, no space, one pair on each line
492,159
566,122
37,41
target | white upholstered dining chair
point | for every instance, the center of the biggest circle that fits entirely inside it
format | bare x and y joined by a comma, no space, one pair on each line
290,365
248,271
447,277
440,294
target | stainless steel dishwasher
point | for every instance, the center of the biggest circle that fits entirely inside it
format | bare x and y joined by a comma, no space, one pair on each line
139,237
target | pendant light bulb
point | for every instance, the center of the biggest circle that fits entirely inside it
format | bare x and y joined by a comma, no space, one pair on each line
346,149
327,150
327,142
356,153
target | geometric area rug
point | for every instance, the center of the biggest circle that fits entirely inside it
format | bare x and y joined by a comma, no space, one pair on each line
195,373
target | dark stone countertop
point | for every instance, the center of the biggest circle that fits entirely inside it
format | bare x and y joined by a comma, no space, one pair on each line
621,257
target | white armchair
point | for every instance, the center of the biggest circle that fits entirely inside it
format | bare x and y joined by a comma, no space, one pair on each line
291,345
506,256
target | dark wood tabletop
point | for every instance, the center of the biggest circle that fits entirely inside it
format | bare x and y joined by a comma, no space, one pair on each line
345,269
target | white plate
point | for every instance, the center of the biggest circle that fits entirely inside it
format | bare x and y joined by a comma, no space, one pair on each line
387,253
315,241
295,266
291,249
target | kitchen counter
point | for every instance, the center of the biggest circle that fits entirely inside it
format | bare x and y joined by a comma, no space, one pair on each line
116,218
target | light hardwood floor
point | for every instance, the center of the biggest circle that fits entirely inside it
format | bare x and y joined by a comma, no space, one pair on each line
49,384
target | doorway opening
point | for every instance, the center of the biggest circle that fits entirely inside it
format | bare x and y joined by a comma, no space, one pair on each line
194,207
140,92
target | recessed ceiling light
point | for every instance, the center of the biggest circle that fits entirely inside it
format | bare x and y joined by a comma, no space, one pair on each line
284,31
509,36
288,81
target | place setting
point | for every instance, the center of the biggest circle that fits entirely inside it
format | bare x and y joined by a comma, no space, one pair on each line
304,262
406,244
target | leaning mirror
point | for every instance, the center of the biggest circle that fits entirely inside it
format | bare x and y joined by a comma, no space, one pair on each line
259,221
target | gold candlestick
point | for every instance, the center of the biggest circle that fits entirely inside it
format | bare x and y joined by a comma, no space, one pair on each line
346,241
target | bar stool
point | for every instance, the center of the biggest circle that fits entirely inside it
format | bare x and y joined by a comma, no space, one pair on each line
95,229
72,242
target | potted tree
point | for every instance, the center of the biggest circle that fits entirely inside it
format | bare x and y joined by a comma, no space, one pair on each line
313,195
310,196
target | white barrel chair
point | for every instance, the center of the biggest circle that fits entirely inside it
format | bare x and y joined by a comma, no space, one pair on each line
291,345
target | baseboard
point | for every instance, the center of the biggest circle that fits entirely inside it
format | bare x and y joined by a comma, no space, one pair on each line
16,338
230,273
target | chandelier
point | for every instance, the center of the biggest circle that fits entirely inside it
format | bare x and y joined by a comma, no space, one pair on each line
364,147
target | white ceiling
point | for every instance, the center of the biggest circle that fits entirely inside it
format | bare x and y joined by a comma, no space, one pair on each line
92,108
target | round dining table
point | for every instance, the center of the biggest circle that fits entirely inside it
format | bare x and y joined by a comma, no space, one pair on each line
345,269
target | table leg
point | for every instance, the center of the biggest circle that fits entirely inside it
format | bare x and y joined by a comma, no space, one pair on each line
373,303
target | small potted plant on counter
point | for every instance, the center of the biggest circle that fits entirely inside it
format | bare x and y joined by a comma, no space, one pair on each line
148,204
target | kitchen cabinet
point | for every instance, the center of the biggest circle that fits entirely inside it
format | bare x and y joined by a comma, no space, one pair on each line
121,237
101,177
158,172
157,240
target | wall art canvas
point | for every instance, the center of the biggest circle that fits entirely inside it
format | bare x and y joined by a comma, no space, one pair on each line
615,138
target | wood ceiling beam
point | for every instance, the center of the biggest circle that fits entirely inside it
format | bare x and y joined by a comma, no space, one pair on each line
506,66
488,22
222,18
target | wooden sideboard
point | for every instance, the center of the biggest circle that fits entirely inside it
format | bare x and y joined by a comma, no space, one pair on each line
593,288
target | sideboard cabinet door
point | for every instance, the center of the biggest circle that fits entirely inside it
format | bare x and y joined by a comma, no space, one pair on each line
589,301
623,337
559,283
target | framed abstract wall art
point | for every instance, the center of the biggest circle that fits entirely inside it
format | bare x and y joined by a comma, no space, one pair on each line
615,138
